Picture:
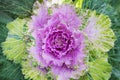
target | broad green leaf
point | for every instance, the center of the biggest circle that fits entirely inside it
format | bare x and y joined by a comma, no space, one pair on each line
30,71
14,48
95,4
5,18
16,28
116,5
114,59
105,36
98,69
21,8
9,70
3,32
100,37
115,74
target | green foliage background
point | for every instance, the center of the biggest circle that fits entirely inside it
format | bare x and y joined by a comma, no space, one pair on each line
10,9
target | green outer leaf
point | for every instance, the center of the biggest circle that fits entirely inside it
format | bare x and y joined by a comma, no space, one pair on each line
100,37
16,27
106,37
99,69
8,69
15,47
115,4
5,18
95,4
21,8
31,72
114,60
3,32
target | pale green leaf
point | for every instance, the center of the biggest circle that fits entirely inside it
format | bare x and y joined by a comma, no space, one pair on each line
16,27
30,71
14,48
100,69
100,37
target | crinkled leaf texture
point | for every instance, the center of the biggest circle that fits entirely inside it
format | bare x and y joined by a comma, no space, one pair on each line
8,69
32,72
15,47
112,9
100,37
99,69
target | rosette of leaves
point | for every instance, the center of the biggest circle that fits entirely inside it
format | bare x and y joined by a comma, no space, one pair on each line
15,47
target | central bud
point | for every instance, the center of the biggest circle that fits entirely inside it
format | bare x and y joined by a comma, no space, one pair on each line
59,42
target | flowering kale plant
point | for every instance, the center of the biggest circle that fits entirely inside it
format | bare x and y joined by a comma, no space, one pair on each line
61,41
